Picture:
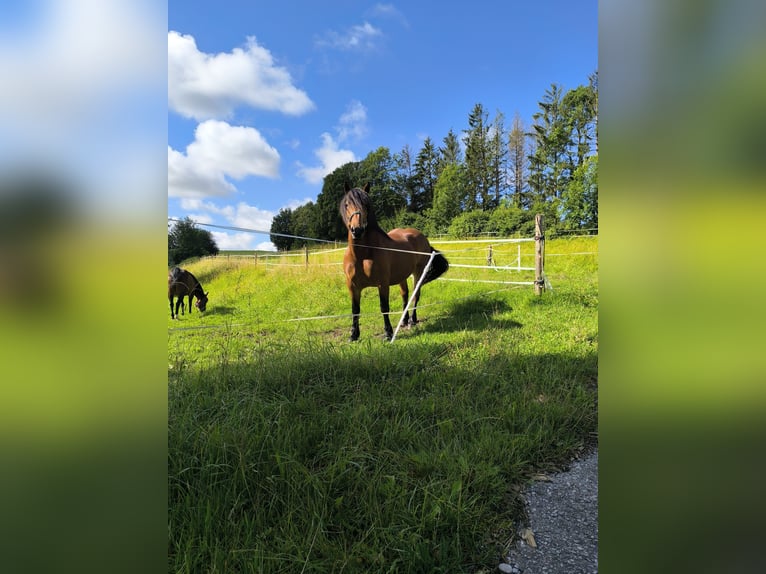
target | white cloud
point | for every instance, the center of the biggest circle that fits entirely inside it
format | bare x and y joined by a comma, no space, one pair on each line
330,158
200,218
240,241
296,203
73,55
83,96
266,246
202,85
389,11
219,150
186,179
241,215
250,217
359,37
353,122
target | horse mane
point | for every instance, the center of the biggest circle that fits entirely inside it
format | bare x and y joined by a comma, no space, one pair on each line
360,198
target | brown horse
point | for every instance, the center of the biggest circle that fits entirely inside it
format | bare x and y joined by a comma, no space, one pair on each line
182,283
375,258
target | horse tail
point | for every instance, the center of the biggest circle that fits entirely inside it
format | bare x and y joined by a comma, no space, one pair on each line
438,267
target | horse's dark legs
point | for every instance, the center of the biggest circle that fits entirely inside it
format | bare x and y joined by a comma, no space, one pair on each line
415,307
384,308
355,309
179,305
172,315
190,303
405,291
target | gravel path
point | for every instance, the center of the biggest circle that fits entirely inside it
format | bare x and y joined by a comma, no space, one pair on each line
563,521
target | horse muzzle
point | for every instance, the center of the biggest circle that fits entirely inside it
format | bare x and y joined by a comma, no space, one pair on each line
357,232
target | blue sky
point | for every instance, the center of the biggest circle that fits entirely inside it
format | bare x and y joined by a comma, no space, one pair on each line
266,98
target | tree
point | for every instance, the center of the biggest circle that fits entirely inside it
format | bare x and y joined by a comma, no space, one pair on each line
505,220
578,107
449,153
449,198
304,224
477,159
403,179
425,174
517,148
282,224
328,221
469,224
579,204
498,161
551,131
377,169
186,240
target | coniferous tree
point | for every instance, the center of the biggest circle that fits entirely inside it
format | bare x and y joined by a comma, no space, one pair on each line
578,108
551,133
477,159
498,161
404,181
450,152
425,174
517,148
593,83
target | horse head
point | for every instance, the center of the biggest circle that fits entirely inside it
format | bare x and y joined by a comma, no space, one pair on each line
355,210
201,302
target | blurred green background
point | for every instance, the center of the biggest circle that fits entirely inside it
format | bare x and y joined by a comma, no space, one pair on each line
682,394
82,261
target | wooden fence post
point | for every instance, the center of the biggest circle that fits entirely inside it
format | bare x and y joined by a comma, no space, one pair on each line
539,254
307,255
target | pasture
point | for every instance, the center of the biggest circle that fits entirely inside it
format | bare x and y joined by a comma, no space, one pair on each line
291,449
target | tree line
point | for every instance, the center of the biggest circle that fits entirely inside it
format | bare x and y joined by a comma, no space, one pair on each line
495,182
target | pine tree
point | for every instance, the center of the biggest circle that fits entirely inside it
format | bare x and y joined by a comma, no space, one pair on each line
404,178
517,148
498,161
425,174
548,165
477,159
449,153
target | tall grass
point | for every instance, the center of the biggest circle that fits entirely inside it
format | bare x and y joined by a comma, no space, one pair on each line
292,450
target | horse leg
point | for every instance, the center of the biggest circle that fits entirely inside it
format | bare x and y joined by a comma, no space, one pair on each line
415,308
384,308
179,304
355,310
172,315
405,291
190,303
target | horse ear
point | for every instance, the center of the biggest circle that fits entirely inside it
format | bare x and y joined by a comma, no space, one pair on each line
346,187
207,293
367,187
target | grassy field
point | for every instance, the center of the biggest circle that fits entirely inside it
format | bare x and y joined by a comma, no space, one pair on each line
293,450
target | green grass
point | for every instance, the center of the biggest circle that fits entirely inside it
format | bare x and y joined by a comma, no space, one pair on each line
293,450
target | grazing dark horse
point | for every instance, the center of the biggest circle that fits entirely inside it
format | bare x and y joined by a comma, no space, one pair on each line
375,258
180,284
